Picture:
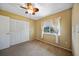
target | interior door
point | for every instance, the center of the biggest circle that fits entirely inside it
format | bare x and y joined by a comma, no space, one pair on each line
4,32
19,31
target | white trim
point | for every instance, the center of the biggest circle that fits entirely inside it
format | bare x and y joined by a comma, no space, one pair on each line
49,33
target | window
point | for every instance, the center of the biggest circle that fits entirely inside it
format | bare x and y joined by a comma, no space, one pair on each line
46,29
51,27
52,30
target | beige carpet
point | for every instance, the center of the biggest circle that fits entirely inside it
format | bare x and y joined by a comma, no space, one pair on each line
34,48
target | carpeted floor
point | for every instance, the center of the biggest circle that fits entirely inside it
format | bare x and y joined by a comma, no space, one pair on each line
34,48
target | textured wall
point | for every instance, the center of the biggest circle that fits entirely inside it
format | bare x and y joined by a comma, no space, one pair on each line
65,23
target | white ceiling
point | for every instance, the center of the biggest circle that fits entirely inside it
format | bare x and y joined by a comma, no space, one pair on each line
45,9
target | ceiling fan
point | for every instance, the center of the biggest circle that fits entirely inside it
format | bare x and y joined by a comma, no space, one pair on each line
29,8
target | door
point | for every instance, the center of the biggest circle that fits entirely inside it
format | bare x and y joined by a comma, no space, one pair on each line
19,31
4,32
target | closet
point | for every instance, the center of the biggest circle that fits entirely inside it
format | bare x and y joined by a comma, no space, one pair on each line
12,31
4,32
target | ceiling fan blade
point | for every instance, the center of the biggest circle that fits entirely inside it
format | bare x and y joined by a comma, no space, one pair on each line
23,7
26,12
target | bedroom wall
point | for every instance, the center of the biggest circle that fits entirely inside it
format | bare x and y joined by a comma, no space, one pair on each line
65,23
22,18
75,33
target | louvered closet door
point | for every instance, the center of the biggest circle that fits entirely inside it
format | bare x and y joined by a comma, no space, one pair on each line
19,31
4,32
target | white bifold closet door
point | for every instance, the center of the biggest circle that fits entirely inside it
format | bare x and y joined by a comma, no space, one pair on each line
4,32
19,31
12,32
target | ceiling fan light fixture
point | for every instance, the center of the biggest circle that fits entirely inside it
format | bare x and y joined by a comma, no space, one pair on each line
29,8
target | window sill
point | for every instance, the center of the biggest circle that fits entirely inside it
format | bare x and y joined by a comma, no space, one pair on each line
50,33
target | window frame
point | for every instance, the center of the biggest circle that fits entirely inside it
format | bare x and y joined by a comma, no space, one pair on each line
49,33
